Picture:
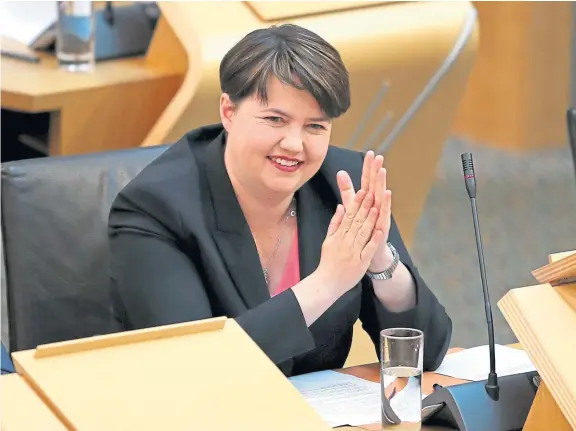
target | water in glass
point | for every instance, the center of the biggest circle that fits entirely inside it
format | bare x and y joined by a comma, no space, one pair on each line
402,397
75,36
401,377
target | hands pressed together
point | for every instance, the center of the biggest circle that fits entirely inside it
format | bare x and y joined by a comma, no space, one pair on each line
357,235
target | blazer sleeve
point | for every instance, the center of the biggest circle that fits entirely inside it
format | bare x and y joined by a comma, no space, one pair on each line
155,283
428,314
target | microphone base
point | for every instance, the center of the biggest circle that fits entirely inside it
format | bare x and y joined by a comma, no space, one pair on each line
468,406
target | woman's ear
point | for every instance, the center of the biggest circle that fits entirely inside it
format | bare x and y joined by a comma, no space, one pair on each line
227,109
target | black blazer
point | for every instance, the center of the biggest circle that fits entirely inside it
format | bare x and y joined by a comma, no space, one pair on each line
182,250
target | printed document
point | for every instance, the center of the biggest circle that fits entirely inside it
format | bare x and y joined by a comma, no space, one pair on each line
474,364
341,399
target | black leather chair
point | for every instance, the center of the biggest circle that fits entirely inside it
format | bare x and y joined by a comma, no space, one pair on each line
54,217
571,119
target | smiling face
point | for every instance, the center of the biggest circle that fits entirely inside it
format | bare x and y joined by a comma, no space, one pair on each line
273,148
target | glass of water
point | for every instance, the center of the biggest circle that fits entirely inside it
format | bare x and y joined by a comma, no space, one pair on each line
75,36
402,351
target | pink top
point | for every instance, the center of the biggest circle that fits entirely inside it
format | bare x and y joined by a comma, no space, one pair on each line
291,275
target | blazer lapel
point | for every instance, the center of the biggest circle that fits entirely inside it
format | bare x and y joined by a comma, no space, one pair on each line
232,235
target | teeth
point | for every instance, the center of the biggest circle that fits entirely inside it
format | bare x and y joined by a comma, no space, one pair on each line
285,162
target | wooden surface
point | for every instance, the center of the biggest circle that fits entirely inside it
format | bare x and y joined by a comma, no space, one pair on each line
113,107
555,257
271,11
519,88
543,319
545,414
22,398
558,271
189,376
22,409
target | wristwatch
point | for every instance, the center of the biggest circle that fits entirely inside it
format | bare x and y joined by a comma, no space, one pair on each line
387,273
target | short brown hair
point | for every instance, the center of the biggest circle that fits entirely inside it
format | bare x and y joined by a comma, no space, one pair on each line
297,57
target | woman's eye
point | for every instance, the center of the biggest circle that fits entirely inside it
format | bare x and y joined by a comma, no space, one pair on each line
317,126
273,119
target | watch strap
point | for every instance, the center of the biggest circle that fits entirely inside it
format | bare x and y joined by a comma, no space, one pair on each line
388,272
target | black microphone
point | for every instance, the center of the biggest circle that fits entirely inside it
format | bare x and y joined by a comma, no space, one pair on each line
495,404
469,175
470,180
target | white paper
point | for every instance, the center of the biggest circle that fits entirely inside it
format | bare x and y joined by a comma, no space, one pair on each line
474,363
341,399
24,21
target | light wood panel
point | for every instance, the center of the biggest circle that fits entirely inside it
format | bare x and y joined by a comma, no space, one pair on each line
271,11
198,375
545,322
519,89
22,409
545,414
543,318
113,107
561,271
558,256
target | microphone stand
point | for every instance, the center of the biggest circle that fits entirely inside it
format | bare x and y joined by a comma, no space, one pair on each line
470,179
489,405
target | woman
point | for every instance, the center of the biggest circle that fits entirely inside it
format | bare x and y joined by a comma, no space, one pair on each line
257,218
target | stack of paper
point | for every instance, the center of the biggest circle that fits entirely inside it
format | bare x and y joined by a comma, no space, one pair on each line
474,363
341,399
27,22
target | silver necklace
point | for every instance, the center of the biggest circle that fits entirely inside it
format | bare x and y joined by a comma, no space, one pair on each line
290,213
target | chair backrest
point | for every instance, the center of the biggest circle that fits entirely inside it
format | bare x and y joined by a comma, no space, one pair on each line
408,62
54,220
571,120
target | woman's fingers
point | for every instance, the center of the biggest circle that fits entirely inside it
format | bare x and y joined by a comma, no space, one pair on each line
366,170
384,218
336,220
380,187
374,170
366,230
346,187
351,212
361,216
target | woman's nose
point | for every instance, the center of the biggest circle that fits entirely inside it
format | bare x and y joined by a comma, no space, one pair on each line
292,142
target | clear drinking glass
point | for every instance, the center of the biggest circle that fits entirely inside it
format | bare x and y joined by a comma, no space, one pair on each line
75,36
401,359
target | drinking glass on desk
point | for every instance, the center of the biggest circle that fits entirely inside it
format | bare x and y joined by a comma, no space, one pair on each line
401,377
75,36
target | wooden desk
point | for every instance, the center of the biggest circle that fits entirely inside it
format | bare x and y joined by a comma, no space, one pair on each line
113,107
370,372
22,409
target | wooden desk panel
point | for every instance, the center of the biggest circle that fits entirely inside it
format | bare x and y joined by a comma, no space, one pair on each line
23,410
113,107
19,390
519,88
